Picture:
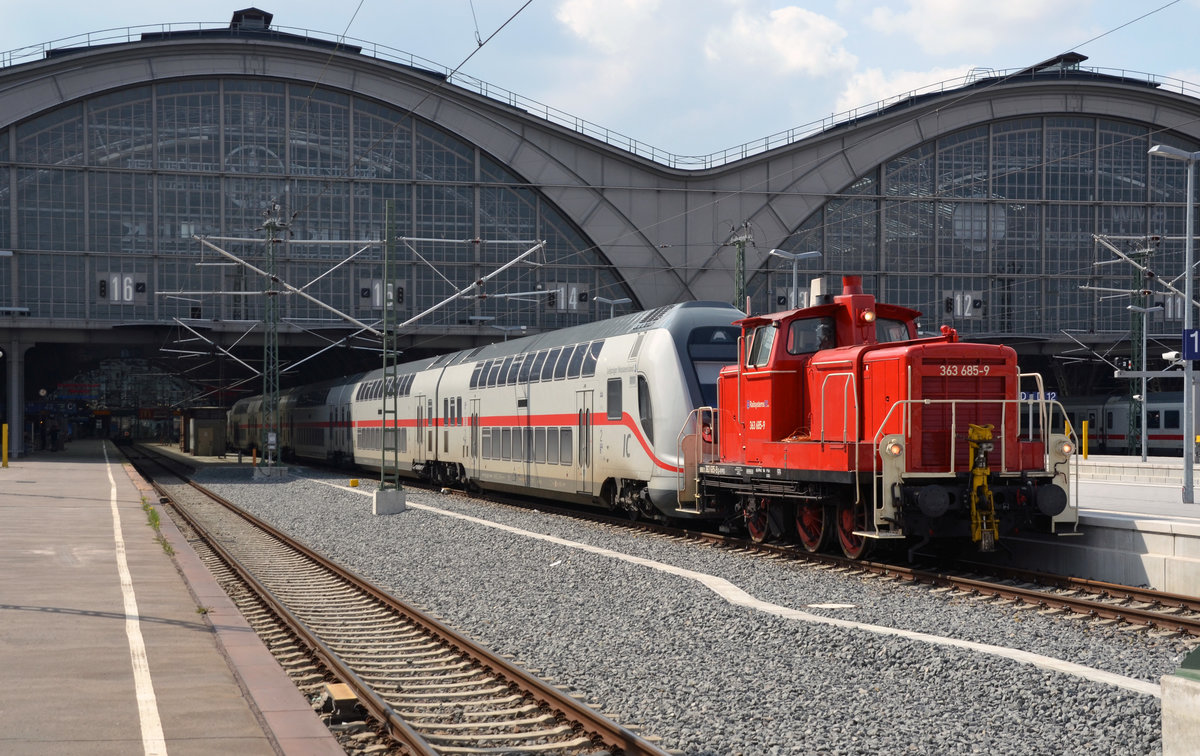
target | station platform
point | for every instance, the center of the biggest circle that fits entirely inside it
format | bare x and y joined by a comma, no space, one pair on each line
1134,527
110,644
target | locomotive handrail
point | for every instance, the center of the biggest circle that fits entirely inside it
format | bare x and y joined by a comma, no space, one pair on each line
1042,435
850,384
693,424
904,406
1041,392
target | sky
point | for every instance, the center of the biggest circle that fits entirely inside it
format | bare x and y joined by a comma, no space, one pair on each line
694,77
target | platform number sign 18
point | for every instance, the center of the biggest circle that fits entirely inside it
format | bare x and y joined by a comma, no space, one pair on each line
1191,344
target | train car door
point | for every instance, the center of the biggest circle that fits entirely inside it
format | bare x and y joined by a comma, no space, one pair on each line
583,442
419,434
474,452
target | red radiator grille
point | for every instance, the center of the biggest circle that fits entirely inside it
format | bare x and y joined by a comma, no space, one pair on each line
932,429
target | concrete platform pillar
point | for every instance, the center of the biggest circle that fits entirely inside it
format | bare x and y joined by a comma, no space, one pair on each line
389,501
274,471
1181,708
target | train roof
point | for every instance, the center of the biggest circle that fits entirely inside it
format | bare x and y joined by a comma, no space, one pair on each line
679,319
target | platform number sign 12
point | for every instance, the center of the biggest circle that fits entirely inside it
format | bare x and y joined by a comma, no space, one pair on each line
1191,343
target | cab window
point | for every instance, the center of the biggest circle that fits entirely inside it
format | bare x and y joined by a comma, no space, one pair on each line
760,345
887,331
811,334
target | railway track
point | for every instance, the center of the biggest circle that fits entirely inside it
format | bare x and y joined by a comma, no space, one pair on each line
431,690
1104,602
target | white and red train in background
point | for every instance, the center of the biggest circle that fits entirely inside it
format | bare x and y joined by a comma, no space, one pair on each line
829,423
1109,430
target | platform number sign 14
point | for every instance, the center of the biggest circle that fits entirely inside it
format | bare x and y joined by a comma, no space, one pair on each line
1191,343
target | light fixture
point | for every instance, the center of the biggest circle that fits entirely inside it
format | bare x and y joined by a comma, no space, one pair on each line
795,257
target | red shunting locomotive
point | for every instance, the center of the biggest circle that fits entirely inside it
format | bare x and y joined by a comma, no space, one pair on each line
840,422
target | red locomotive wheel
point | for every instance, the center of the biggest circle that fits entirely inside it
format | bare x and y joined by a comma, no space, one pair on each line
812,526
757,522
852,517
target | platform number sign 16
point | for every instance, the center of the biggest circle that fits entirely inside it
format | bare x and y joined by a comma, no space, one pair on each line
120,288
1191,344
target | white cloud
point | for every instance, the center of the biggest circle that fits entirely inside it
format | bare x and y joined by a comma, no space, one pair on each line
611,27
701,66
871,86
784,41
949,27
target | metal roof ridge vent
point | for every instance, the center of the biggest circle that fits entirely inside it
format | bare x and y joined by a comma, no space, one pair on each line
251,18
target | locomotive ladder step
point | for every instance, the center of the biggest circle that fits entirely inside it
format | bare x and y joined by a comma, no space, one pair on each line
881,536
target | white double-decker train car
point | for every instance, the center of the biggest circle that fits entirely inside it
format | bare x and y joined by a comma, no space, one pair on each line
588,414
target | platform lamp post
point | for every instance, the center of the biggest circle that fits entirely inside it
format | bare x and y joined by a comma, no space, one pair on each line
612,303
1189,431
795,257
1145,311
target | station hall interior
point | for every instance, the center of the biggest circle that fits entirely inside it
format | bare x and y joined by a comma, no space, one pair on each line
153,181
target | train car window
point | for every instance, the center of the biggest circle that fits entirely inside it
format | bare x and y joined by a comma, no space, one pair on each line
535,372
506,443
760,345
526,366
1152,418
408,384
1108,420
518,452
445,411
560,370
589,360
458,413
576,365
614,399
637,347
485,443
552,446
564,446
1172,418
711,348
475,374
505,367
494,373
548,367
645,411
539,445
888,331
809,335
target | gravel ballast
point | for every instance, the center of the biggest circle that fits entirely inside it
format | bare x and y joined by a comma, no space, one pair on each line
666,653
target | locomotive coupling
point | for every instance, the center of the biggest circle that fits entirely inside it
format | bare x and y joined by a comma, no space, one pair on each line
985,526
